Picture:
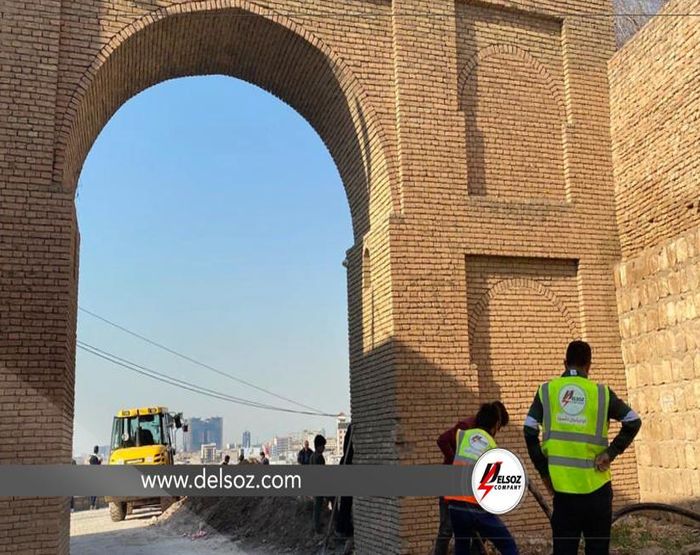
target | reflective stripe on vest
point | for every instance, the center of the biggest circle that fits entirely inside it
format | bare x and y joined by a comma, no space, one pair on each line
471,444
575,431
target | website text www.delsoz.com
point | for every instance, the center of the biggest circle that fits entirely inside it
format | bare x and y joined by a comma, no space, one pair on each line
221,480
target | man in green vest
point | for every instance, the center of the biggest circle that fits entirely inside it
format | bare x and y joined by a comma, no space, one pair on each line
574,457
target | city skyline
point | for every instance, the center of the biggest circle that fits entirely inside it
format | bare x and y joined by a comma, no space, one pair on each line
256,440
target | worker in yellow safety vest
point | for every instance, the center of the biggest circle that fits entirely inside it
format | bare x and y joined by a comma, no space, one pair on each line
466,515
574,457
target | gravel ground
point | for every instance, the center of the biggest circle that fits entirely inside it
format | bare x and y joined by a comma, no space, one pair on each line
93,533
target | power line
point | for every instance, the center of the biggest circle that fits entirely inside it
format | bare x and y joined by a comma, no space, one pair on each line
159,376
145,370
195,361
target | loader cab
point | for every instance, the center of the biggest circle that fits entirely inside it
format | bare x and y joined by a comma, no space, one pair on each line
144,436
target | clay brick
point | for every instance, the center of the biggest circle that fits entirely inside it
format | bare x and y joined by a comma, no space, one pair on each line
691,456
692,433
695,485
664,372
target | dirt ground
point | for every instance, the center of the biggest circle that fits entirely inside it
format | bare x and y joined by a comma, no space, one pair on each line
93,533
267,524
276,525
284,525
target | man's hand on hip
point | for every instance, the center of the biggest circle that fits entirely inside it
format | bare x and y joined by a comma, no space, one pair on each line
602,462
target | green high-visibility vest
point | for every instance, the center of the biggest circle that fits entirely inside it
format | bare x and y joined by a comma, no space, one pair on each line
575,431
471,444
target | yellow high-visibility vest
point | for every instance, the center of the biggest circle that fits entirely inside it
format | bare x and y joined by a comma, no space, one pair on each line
471,444
575,431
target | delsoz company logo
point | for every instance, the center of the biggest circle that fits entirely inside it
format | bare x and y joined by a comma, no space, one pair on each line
479,442
572,400
499,481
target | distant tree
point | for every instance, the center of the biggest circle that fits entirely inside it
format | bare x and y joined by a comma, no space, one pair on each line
634,14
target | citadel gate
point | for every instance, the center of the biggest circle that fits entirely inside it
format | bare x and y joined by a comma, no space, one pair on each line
473,141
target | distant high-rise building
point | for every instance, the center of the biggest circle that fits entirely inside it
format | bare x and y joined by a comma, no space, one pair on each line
208,453
201,431
341,429
246,440
331,446
282,445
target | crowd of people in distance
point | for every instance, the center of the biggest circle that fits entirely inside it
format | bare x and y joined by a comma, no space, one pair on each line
242,460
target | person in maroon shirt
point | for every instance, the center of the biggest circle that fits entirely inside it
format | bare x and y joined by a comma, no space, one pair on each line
447,442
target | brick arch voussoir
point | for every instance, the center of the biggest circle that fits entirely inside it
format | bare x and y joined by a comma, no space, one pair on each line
467,72
347,80
527,283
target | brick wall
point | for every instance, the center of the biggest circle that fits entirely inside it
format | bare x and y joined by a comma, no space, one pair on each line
655,108
36,275
654,101
659,303
473,141
529,218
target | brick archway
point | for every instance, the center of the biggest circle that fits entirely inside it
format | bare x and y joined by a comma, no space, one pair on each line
467,71
107,57
243,40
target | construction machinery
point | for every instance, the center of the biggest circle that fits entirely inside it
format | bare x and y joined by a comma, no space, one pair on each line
142,436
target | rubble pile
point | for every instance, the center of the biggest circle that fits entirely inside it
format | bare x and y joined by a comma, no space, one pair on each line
275,524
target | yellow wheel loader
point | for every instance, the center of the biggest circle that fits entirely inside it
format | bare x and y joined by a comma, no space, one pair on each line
142,436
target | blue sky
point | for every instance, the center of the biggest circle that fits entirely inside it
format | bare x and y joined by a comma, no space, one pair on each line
213,220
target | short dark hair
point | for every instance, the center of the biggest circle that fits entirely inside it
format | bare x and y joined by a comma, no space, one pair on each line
578,354
504,418
319,441
96,449
488,417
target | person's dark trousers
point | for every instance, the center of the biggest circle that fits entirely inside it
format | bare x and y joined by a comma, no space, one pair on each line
442,543
587,514
318,508
344,525
468,519
93,502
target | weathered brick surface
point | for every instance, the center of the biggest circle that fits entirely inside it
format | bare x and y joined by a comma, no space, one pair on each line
659,304
655,104
473,140
498,72
655,108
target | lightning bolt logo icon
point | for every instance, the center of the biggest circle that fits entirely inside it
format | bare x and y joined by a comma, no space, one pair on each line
567,397
490,474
